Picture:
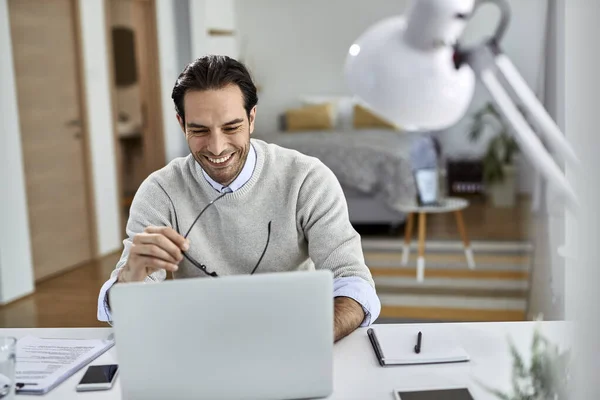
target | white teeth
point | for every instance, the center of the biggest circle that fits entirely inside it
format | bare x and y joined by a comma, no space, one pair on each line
219,160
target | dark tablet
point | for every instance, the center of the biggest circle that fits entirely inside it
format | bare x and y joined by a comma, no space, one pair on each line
445,394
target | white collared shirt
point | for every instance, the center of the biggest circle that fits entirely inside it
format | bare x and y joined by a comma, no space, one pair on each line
243,177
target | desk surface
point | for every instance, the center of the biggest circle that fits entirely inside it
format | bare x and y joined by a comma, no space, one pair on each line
357,375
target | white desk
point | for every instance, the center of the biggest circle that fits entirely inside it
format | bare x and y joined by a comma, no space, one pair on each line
356,371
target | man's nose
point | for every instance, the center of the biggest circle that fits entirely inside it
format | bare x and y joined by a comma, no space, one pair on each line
217,143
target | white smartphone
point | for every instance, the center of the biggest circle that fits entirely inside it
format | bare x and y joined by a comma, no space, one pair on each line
98,377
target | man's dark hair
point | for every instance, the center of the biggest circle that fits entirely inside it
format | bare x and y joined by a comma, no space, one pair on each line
213,72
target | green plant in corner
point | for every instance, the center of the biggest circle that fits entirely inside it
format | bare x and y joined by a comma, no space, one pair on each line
502,147
547,376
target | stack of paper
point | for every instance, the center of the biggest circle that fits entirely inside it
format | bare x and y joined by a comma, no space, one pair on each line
43,363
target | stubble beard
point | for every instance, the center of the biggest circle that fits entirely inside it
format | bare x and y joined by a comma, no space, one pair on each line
217,174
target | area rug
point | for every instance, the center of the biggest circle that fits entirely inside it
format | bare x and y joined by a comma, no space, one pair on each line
496,290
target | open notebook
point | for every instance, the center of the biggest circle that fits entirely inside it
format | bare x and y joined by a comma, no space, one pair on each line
396,346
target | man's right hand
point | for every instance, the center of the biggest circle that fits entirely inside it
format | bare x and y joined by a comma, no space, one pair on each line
158,247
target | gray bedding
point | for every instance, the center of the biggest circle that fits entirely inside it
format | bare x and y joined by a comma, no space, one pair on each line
373,162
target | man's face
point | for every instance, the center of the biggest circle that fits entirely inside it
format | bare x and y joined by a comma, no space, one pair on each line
218,131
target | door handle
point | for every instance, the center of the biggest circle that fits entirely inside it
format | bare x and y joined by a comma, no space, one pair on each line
73,122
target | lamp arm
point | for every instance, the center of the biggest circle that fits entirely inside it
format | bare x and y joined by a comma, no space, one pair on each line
505,15
545,123
527,139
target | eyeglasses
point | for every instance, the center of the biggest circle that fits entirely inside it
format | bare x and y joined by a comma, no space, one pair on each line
203,267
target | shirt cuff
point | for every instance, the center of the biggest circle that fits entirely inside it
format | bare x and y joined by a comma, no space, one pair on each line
362,292
103,311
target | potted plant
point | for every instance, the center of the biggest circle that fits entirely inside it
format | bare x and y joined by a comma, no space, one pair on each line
547,377
499,170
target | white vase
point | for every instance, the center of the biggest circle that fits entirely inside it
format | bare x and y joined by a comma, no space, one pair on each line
504,194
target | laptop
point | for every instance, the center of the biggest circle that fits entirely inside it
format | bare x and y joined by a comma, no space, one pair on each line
267,336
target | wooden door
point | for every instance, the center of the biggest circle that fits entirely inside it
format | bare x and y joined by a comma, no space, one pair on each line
46,57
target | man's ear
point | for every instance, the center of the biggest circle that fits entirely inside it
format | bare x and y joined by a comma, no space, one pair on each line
180,120
252,118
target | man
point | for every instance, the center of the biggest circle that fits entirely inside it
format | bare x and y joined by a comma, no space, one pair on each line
237,205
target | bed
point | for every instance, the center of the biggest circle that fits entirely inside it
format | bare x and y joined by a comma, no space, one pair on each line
372,165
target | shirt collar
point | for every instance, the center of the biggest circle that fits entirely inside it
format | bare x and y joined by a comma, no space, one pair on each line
243,177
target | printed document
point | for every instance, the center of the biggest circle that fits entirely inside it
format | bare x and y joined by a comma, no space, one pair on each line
43,363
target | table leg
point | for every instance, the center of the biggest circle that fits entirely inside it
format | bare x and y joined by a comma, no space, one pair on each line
421,259
463,234
407,238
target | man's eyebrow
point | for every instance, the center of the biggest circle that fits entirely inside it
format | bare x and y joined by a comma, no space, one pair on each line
194,125
233,122
200,126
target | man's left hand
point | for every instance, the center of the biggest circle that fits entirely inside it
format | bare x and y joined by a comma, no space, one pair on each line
348,315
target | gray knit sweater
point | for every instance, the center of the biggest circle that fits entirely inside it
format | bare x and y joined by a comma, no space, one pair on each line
298,194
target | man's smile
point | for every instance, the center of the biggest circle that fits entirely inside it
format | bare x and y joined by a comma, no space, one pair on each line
221,161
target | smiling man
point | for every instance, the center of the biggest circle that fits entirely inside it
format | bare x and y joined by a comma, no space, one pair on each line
222,154
239,205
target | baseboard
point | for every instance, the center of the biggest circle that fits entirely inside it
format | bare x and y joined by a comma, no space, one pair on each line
16,299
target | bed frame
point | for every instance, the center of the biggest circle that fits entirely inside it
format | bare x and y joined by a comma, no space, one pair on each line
365,209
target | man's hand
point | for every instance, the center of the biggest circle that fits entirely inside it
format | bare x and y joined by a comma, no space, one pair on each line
348,315
155,249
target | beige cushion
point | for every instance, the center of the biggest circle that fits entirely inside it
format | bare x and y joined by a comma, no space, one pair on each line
364,118
314,117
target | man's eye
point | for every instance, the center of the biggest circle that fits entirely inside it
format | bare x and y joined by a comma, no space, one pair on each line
232,128
198,132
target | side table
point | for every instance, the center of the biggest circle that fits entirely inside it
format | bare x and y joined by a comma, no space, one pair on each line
449,204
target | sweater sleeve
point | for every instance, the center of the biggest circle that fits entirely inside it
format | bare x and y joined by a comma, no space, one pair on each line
151,206
333,243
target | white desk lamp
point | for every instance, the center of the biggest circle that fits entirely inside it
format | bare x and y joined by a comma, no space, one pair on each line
412,71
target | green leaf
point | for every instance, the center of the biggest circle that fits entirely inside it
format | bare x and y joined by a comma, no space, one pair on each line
493,168
501,148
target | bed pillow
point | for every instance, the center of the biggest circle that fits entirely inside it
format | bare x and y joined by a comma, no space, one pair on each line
363,118
309,118
341,107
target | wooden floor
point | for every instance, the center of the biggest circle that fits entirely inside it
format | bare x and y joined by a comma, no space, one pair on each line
70,300
482,221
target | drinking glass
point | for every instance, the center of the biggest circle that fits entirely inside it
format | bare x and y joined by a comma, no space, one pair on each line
8,348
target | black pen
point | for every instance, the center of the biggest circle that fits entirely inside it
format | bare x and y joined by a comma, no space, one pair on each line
418,345
20,385
376,347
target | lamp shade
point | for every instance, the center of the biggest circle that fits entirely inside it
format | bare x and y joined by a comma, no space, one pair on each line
403,67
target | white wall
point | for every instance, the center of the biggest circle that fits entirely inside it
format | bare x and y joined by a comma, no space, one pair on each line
581,119
16,267
298,47
175,144
582,85
183,32
547,296
100,124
